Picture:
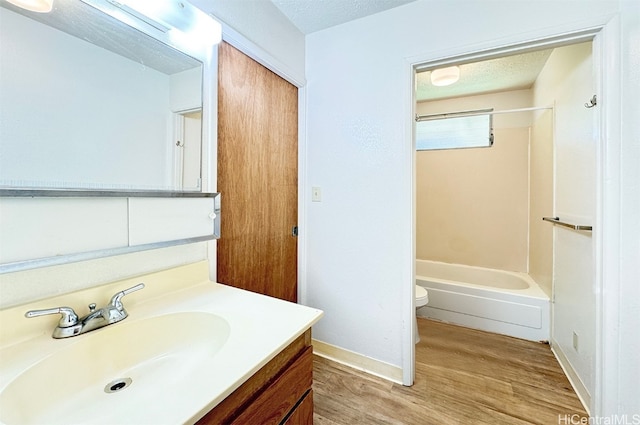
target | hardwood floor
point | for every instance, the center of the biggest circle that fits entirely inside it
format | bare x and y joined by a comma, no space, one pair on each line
463,376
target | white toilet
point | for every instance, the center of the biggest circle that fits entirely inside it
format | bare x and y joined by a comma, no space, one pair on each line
422,299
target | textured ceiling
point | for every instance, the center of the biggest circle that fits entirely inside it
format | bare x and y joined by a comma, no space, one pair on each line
494,75
507,73
314,15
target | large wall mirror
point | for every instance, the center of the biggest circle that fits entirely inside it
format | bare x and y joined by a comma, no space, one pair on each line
89,102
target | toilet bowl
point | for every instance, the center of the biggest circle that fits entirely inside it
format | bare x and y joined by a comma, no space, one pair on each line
422,299
422,296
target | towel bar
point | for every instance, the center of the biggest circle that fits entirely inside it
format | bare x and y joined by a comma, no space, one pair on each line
556,220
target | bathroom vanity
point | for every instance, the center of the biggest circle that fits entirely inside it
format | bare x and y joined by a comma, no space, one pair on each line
190,351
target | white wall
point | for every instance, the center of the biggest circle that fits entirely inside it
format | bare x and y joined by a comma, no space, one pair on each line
186,90
566,80
472,205
360,248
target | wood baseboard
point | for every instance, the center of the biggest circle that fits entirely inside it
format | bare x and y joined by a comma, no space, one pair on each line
572,376
358,361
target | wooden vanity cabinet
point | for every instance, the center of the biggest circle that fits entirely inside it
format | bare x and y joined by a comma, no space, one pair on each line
279,393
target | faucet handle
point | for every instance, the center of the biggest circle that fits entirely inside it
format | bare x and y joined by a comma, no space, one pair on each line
116,299
69,317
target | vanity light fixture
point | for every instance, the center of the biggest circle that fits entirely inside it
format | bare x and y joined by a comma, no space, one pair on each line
180,15
41,6
445,76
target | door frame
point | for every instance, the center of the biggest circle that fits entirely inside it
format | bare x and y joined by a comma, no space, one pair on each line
177,151
605,36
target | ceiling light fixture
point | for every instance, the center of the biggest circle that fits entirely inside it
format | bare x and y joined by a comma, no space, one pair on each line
41,6
181,15
445,76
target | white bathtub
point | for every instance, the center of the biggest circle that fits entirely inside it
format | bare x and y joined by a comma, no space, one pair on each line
491,300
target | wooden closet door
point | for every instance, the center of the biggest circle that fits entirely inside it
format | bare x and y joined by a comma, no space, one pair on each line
257,177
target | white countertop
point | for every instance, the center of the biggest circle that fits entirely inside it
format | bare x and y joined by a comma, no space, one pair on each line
259,327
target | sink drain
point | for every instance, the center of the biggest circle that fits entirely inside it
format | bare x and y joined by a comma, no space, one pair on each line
117,385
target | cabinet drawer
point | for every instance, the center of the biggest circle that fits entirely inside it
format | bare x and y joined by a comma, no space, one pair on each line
279,398
303,413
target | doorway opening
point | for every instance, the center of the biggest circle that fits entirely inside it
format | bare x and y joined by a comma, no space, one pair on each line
482,206
187,149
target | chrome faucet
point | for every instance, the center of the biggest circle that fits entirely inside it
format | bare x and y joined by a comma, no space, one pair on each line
70,325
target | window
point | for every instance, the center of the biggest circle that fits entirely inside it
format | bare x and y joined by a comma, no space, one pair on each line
456,130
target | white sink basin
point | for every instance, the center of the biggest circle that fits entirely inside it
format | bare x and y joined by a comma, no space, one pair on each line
139,361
